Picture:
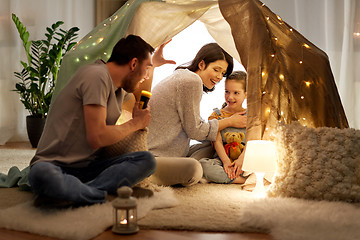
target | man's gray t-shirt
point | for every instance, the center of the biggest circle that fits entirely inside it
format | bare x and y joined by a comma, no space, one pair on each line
64,136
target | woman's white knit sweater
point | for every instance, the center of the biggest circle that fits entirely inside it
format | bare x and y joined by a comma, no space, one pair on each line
175,115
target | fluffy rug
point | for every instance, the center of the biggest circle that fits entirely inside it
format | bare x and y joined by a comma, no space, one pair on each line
202,207
227,208
79,223
18,213
15,157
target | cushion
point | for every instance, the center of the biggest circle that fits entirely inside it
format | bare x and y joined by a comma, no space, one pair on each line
136,141
317,163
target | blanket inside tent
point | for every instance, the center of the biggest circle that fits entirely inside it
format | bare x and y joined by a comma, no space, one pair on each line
289,78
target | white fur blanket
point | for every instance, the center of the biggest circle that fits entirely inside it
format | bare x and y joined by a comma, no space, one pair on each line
77,224
226,208
296,219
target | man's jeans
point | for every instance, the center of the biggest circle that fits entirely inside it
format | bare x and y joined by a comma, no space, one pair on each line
89,184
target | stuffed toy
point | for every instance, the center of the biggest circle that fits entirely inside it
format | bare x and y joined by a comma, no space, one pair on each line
233,148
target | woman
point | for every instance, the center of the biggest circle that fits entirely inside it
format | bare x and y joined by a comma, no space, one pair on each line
175,116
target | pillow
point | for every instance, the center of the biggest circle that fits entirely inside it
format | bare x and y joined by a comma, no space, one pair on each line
317,163
135,142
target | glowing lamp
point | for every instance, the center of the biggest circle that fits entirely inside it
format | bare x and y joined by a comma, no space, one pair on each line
125,215
260,157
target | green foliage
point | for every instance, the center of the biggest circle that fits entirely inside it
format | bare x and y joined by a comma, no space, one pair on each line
39,73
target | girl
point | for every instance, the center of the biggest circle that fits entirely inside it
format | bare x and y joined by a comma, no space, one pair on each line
220,169
175,116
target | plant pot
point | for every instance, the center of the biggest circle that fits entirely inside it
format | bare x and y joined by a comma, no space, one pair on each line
34,127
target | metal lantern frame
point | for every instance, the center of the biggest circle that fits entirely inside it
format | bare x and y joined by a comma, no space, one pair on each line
125,212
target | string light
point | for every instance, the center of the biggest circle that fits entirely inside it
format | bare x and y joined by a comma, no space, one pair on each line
307,83
100,40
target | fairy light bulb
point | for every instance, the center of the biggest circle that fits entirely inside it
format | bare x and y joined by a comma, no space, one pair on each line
100,40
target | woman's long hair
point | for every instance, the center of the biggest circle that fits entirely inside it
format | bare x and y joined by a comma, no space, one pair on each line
210,52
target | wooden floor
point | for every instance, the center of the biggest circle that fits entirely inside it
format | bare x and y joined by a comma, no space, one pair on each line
142,234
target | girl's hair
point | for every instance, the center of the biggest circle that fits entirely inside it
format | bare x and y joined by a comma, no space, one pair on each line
210,52
238,76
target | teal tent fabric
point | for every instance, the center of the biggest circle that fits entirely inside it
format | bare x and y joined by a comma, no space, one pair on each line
98,43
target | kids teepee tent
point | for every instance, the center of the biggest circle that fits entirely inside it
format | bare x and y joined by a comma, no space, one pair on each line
289,78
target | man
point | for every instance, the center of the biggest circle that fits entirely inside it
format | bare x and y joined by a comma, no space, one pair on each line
67,169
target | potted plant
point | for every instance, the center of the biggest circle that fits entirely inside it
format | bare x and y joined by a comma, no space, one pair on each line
38,76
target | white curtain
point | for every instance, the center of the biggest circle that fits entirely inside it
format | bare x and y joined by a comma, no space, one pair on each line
334,27
36,15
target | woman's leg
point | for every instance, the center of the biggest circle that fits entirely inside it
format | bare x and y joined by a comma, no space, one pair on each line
177,170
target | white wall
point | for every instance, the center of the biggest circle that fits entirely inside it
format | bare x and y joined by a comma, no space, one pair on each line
36,15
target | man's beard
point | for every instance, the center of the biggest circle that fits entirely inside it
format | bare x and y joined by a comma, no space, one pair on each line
129,84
